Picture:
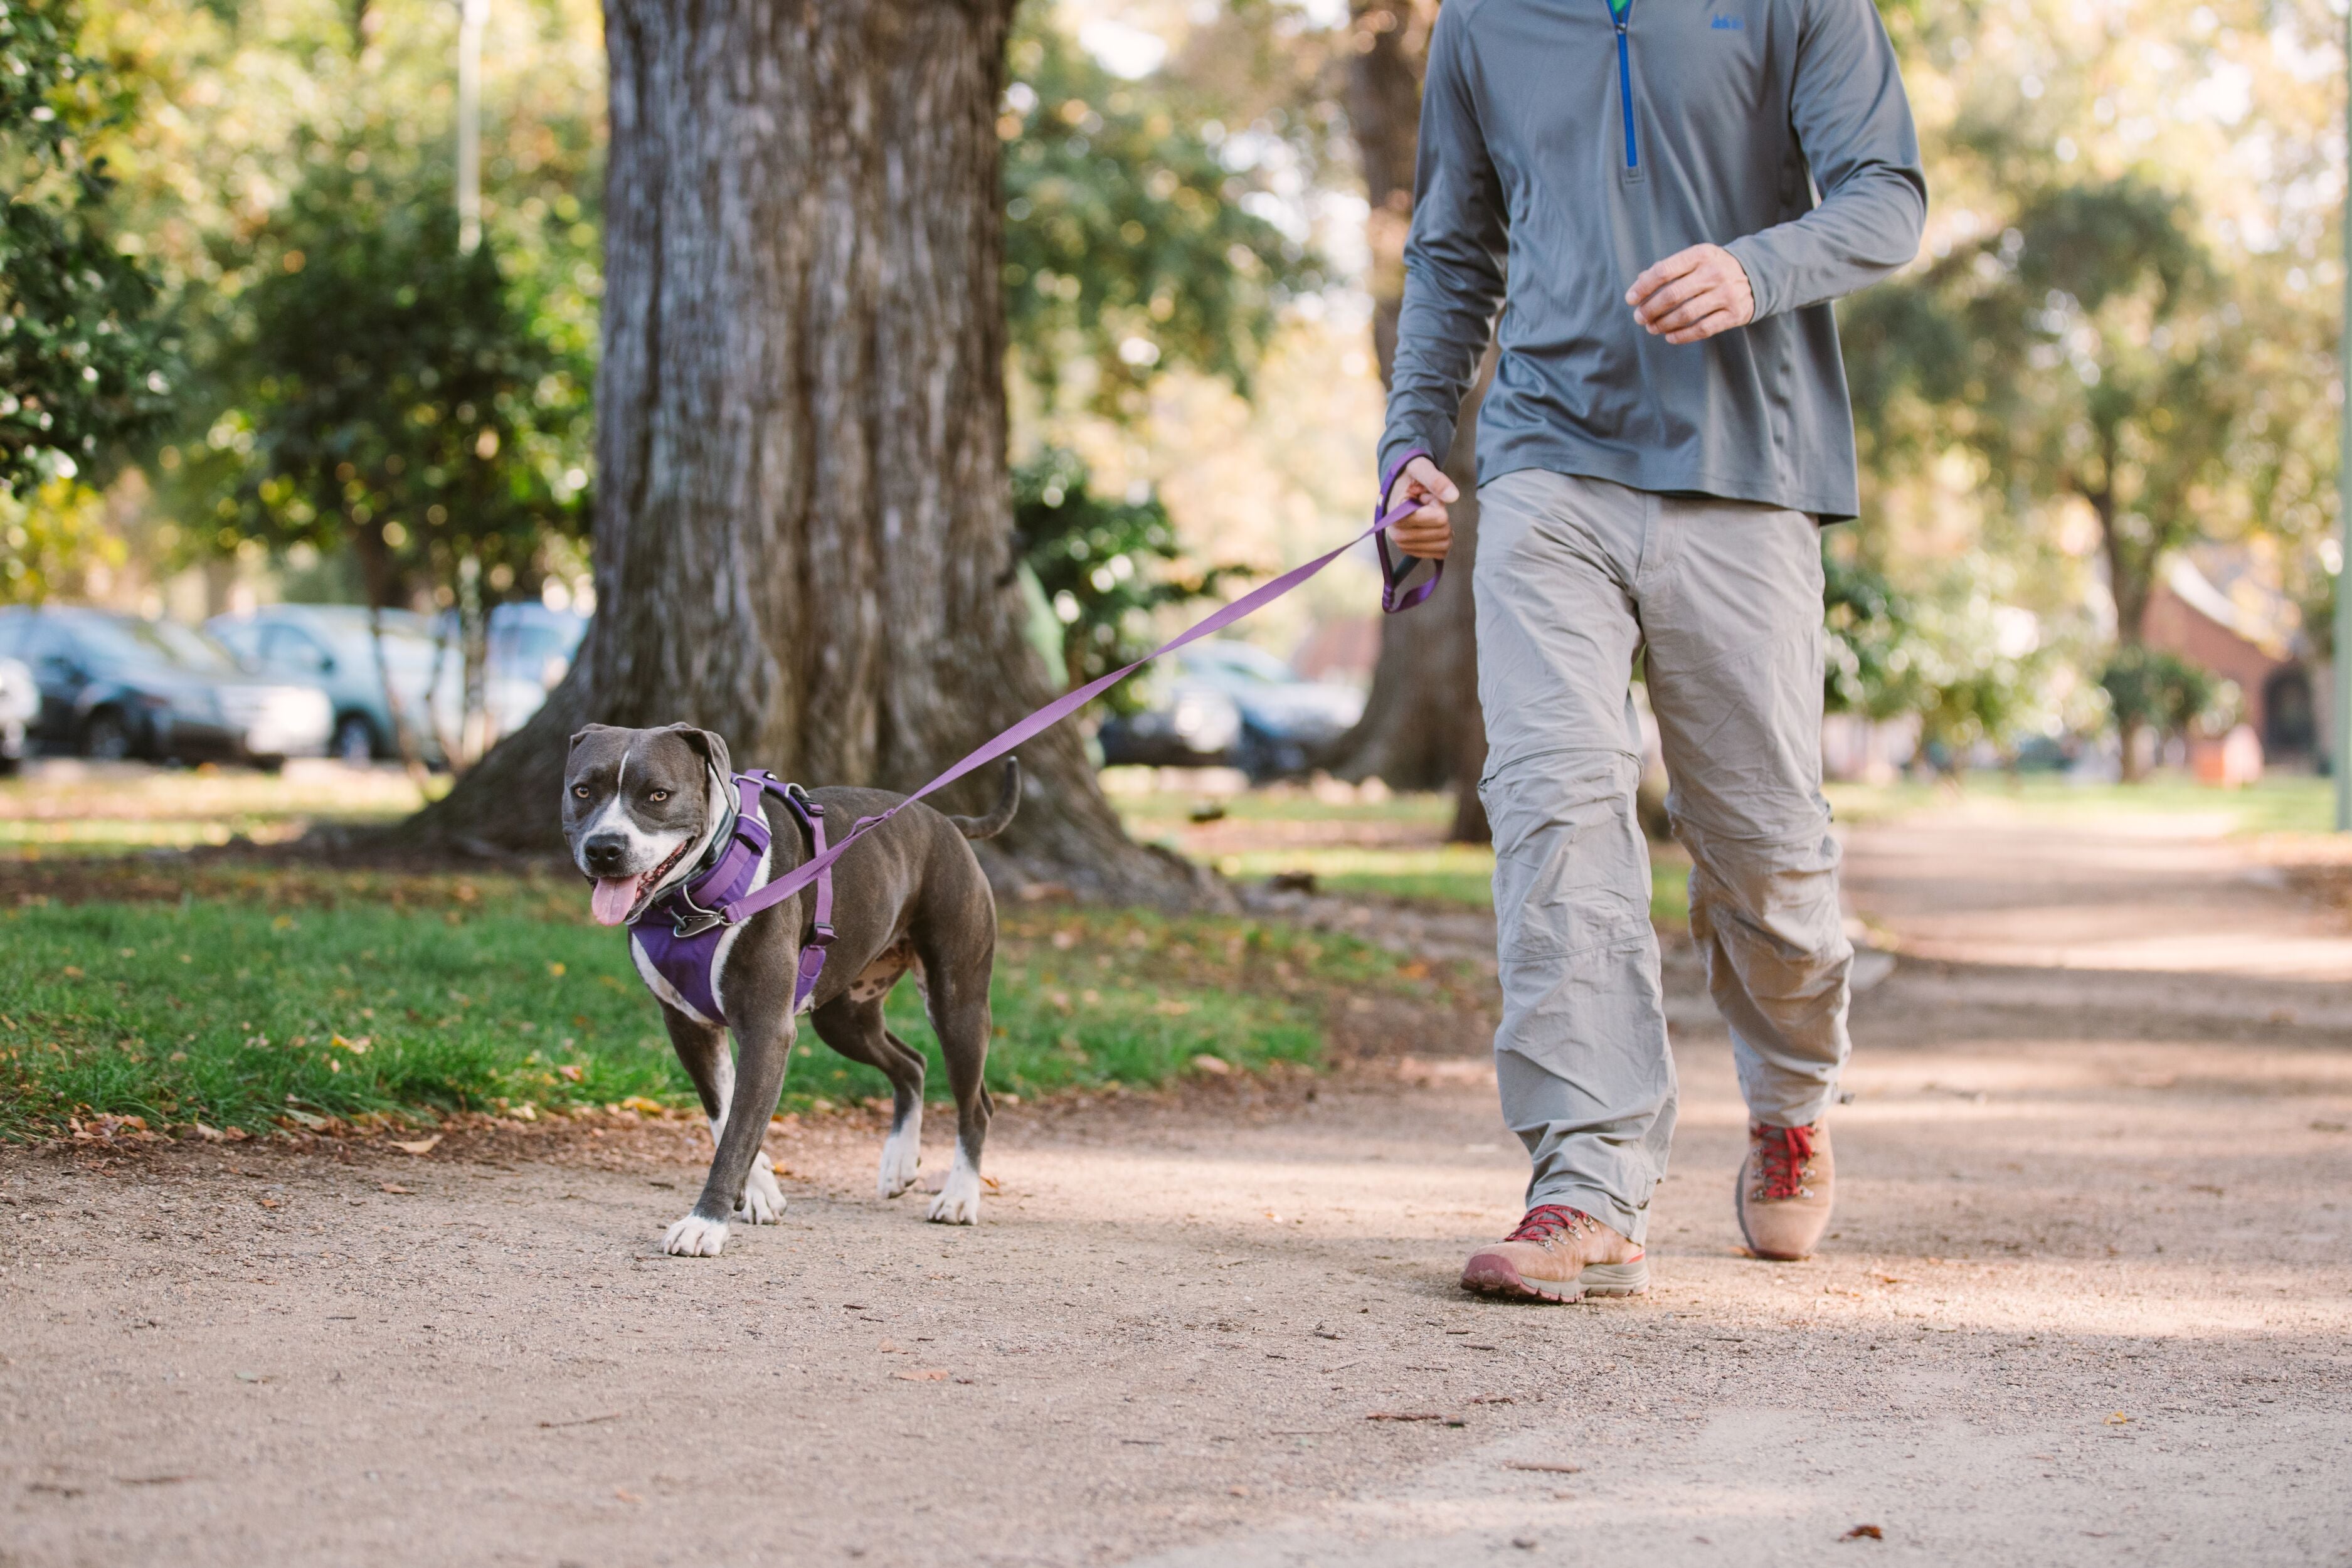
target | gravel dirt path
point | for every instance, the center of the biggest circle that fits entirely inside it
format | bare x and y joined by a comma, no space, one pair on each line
2085,1302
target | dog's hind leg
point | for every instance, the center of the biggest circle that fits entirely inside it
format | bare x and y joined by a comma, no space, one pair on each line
853,1026
958,995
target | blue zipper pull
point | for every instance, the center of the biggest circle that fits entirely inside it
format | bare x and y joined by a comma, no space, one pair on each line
1619,15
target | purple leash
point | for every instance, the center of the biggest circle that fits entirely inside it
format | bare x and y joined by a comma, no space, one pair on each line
818,867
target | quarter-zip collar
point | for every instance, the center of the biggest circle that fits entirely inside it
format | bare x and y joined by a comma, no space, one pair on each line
1621,11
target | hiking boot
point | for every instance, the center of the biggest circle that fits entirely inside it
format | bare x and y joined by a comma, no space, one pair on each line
1785,1190
1559,1254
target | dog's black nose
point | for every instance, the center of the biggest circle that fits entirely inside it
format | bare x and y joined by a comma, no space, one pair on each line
605,853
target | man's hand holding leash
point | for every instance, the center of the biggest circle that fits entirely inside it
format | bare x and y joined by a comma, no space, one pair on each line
1429,532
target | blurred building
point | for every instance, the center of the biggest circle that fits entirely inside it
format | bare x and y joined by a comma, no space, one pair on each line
2214,609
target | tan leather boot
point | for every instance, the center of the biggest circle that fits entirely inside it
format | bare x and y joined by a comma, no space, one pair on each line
1559,1254
1785,1190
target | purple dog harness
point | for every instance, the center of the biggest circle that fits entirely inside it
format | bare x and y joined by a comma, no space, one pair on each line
680,931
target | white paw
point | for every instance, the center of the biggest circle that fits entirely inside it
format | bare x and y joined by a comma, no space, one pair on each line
695,1237
763,1200
902,1152
958,1199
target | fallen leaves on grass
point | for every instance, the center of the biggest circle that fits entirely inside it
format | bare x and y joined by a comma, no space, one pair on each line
2118,1419
416,1146
1863,1532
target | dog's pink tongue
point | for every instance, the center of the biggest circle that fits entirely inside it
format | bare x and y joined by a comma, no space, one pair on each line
611,901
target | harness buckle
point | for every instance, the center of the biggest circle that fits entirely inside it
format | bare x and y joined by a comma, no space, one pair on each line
700,921
803,799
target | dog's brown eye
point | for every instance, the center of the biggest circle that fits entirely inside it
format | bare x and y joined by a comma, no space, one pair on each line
659,795
581,791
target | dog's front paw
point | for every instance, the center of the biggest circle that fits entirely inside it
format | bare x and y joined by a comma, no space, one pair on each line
695,1237
763,1200
958,1199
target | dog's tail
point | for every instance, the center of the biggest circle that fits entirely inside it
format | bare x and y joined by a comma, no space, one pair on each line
999,818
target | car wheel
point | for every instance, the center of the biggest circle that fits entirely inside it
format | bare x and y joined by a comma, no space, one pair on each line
105,737
354,741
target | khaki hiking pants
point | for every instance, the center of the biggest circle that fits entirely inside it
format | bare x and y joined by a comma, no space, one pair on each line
1722,601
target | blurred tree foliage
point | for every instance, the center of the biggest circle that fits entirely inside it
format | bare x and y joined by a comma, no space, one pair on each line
1132,243
2090,349
381,389
84,362
1105,566
2150,689
55,535
357,384
1870,659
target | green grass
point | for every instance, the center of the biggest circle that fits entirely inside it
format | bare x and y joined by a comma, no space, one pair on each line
2279,804
300,997
1459,874
78,809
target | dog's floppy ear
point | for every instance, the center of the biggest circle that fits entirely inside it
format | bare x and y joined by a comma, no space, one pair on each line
582,734
712,748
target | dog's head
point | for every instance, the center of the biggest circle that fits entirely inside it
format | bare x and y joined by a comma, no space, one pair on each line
639,809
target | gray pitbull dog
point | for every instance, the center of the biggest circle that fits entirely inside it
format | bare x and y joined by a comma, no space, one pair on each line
641,807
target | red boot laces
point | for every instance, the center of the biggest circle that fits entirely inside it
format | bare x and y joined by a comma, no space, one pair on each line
1547,1221
1786,1152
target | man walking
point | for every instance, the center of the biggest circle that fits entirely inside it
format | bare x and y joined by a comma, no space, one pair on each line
1668,426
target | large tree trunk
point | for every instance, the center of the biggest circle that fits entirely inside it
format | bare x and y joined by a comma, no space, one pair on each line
2131,582
1421,727
804,524
1391,41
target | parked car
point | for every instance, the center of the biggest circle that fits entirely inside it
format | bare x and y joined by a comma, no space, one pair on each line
117,686
531,646
330,645
20,703
1231,702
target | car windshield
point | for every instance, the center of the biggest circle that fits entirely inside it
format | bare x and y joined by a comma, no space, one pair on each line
122,636
403,649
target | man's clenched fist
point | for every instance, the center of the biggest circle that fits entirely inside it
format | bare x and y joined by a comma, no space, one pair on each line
1693,294
1427,532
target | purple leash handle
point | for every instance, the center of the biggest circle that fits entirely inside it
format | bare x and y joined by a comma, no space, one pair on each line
1392,574
817,866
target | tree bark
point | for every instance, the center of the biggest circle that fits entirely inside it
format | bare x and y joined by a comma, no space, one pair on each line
1421,727
804,522
1390,38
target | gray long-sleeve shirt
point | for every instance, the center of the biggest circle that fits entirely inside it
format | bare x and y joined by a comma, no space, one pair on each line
1567,147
